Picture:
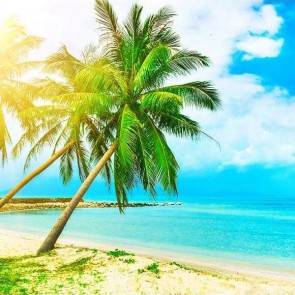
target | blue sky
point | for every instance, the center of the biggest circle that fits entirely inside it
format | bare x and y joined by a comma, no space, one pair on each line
277,70
251,46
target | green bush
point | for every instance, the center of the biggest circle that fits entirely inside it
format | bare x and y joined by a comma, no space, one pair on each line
118,253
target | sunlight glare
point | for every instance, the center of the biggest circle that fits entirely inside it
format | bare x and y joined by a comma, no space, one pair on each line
26,11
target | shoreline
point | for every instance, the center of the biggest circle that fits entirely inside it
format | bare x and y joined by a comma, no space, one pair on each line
88,268
211,264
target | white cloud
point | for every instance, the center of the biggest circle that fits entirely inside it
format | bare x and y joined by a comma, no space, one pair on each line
255,126
260,47
267,21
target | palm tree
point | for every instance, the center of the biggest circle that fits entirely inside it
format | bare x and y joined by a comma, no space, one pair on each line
144,55
15,95
62,122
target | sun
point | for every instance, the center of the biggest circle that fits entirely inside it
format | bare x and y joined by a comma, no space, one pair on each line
22,9
8,8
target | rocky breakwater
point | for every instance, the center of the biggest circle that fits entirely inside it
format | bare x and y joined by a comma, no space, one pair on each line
114,205
44,204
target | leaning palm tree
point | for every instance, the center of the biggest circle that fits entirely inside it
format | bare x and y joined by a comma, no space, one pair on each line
62,122
15,94
144,55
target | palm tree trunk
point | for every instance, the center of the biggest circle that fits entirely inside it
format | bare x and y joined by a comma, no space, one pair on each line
56,231
33,174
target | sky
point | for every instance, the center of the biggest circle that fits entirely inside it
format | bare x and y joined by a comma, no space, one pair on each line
251,48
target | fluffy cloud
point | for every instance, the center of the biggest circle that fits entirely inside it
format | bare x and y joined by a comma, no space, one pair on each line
260,47
256,125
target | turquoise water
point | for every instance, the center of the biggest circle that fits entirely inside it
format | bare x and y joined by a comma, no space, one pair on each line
258,231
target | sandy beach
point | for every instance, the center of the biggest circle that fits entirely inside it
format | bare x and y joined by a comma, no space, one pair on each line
70,269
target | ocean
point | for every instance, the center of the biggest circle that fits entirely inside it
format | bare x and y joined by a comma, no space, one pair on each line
258,231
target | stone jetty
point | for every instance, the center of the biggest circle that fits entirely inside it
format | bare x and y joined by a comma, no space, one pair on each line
21,204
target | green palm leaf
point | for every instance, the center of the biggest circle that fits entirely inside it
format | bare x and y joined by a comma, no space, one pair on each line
197,94
66,165
165,162
15,95
178,125
4,136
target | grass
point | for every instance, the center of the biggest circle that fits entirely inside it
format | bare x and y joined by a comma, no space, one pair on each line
153,267
180,265
84,285
26,275
78,265
118,253
17,275
129,261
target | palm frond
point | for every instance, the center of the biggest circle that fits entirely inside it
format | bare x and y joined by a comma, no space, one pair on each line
4,137
82,160
133,24
159,30
100,76
19,50
15,95
66,165
155,60
90,54
108,20
184,61
121,194
146,166
33,133
165,162
161,100
64,62
127,131
46,139
197,94
178,125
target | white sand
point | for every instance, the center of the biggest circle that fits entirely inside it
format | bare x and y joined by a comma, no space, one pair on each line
110,275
